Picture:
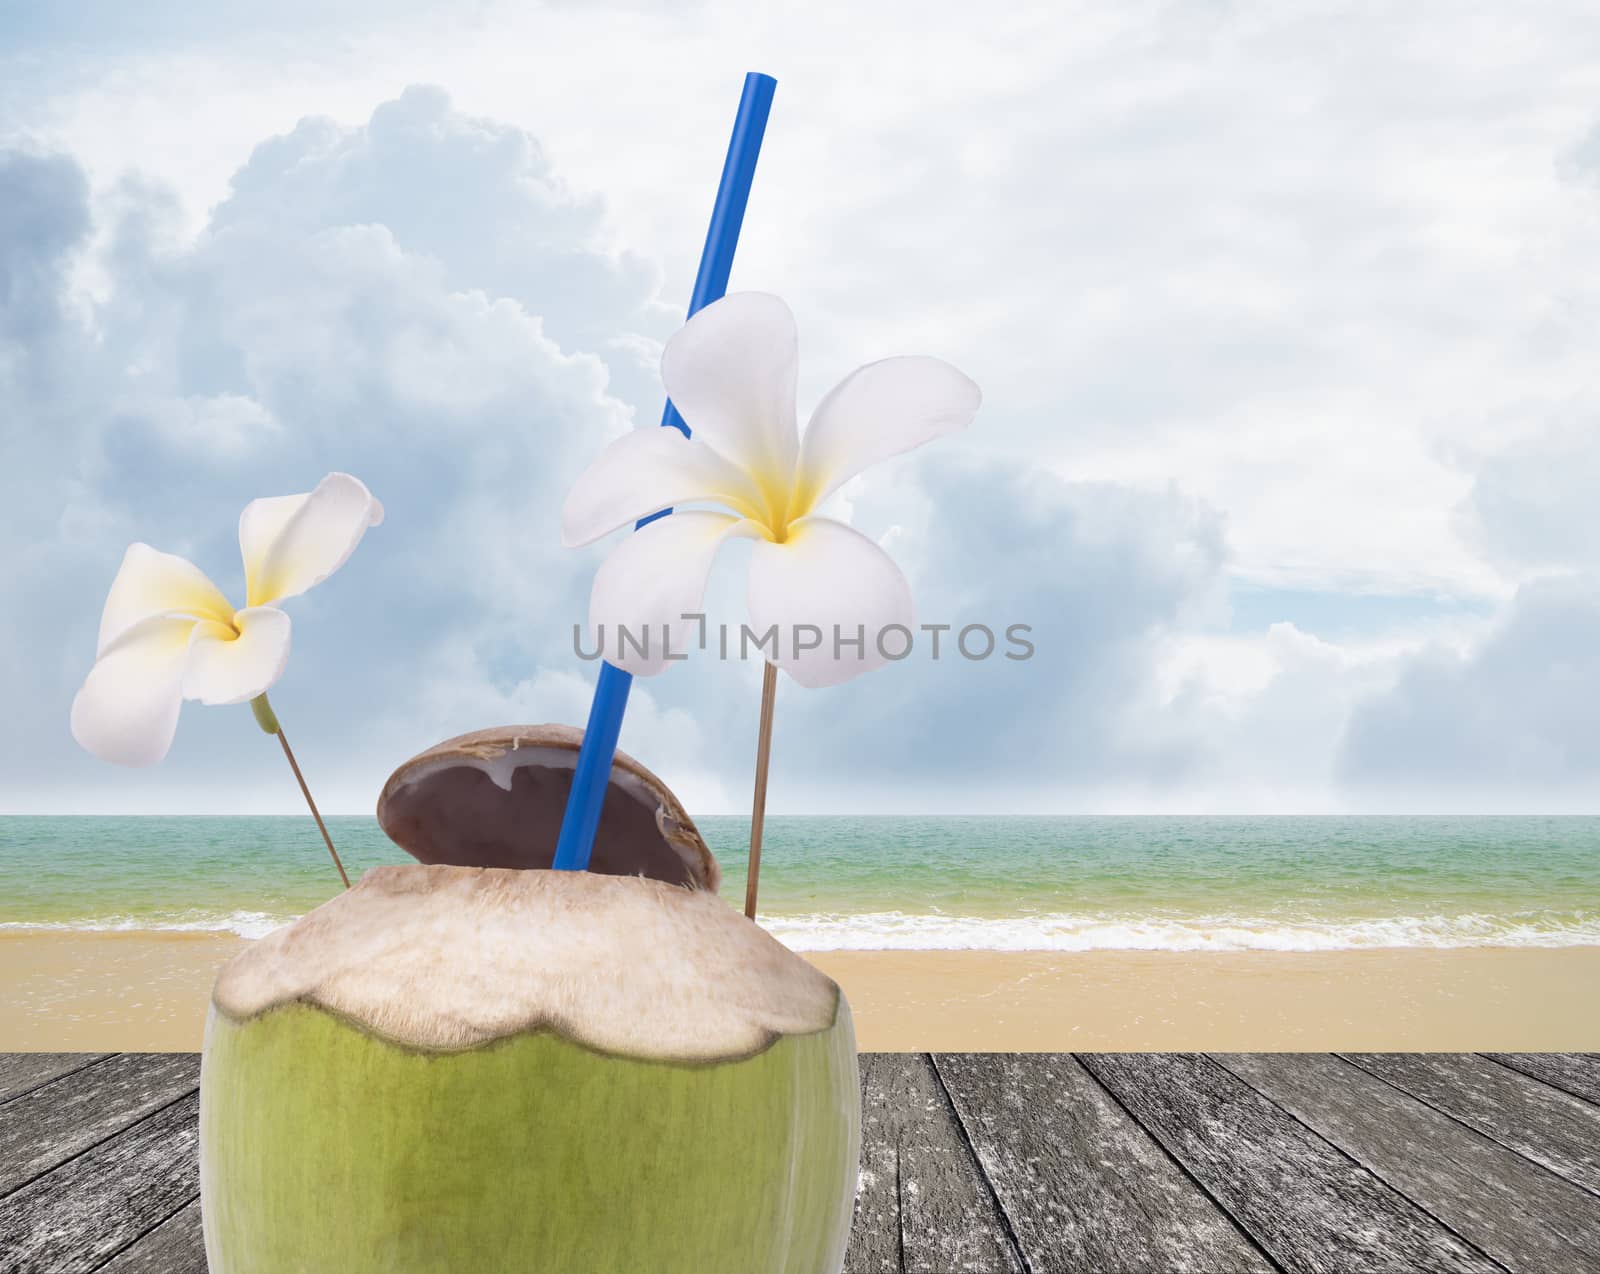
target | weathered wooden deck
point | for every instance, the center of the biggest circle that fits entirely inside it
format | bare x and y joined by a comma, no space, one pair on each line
989,1162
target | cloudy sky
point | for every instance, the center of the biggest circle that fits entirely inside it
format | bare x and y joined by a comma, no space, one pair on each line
1285,315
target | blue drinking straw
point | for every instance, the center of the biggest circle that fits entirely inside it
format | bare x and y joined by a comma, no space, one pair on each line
716,260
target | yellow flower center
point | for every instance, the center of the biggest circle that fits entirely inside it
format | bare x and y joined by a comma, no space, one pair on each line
783,501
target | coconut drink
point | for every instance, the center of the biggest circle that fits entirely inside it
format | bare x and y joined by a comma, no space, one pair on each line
477,1063
547,1044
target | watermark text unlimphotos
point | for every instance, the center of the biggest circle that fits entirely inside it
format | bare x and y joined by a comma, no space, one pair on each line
892,642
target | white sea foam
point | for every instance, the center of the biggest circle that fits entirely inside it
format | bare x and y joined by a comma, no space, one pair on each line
904,931
247,924
894,930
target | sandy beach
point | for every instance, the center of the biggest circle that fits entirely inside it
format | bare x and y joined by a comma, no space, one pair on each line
1402,1000
148,991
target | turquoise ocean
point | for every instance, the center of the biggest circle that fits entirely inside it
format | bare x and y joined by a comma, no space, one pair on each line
1062,884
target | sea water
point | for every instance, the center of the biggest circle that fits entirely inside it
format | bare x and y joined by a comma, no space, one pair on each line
1009,884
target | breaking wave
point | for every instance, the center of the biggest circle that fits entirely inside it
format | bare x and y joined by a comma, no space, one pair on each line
908,931
894,930
246,924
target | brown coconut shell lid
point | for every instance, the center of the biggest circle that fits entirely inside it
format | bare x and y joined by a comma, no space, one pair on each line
496,798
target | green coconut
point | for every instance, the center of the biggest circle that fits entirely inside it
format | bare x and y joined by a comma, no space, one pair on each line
455,1067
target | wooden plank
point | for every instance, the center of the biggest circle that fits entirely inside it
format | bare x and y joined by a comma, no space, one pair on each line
949,1220
1539,1122
1575,1073
176,1246
22,1072
1302,1200
57,1120
1520,1214
875,1233
1084,1187
93,1206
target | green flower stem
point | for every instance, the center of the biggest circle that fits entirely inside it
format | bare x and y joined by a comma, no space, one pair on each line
264,715
267,719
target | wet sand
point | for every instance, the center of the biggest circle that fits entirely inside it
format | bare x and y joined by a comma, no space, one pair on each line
148,992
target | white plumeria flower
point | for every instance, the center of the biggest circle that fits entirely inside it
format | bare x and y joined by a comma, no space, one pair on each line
731,373
168,634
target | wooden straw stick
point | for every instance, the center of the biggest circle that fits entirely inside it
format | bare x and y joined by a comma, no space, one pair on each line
267,719
306,792
758,811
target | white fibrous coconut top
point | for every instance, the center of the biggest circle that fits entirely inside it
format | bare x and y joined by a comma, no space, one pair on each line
448,958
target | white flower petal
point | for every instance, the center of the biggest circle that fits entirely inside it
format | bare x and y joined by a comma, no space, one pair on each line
233,667
876,412
651,580
730,371
834,579
151,583
644,472
127,710
291,542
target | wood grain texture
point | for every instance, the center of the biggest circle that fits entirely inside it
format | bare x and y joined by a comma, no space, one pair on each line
92,1207
55,1121
949,1220
176,1246
1522,1215
1575,1073
1084,1187
988,1162
875,1233
1550,1127
1302,1200
23,1072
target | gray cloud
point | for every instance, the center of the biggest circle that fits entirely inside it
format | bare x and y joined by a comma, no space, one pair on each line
475,198
419,300
1532,504
423,300
44,218
1099,572
267,352
1510,725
